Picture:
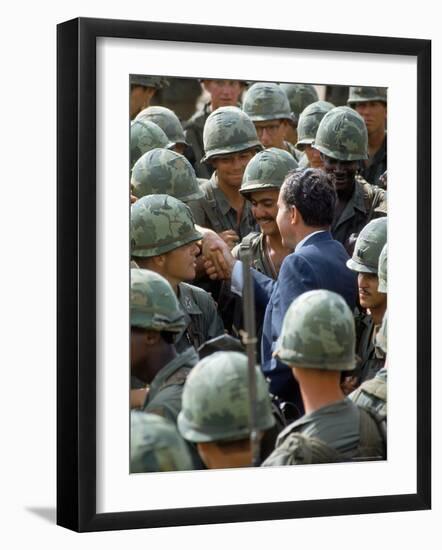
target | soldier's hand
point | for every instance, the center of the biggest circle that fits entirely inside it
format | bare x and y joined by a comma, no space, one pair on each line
230,237
133,198
138,397
349,384
218,258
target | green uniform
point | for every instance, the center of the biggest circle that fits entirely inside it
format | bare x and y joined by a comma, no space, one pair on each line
260,258
373,169
297,155
201,316
373,393
337,432
366,203
372,359
165,393
214,211
193,130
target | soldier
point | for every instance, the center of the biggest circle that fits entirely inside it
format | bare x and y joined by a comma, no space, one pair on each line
365,262
342,141
371,104
156,445
216,410
373,393
142,89
156,320
269,108
163,239
145,135
317,342
261,182
308,123
299,96
223,93
230,141
165,172
169,123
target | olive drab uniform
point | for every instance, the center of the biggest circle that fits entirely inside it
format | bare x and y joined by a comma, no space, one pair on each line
201,316
371,359
366,203
193,131
372,394
337,432
297,155
166,390
261,260
376,166
213,211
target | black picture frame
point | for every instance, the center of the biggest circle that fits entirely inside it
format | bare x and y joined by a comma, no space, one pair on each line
76,273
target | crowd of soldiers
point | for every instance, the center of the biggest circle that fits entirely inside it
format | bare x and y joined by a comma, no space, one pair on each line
267,188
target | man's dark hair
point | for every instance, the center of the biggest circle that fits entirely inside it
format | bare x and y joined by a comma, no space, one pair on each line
310,191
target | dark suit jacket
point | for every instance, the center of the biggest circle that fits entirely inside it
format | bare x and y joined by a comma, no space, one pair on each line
319,263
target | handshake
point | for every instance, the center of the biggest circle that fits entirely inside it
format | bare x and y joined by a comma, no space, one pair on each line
216,248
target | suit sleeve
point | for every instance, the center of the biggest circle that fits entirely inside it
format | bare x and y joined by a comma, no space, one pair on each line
295,278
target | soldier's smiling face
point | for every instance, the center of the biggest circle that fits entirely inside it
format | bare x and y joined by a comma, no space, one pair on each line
341,173
265,209
230,168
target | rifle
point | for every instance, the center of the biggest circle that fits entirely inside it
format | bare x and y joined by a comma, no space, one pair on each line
249,340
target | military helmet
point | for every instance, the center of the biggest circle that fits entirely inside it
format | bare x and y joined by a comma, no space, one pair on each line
318,332
368,247
148,81
382,270
358,94
159,224
381,336
228,130
166,172
309,121
267,170
153,303
216,405
156,445
167,121
299,96
342,135
266,101
145,135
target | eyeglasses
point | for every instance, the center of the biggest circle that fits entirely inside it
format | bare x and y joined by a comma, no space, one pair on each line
269,128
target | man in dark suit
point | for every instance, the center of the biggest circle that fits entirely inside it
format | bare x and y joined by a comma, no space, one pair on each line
306,206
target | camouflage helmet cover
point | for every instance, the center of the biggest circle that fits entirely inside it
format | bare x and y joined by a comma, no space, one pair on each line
167,121
145,135
318,332
382,270
299,96
381,336
369,246
153,303
342,135
216,404
266,101
228,130
161,171
267,170
148,81
159,224
366,93
309,121
156,445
